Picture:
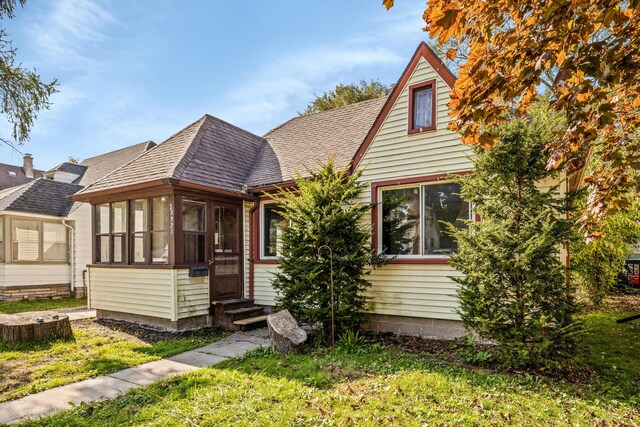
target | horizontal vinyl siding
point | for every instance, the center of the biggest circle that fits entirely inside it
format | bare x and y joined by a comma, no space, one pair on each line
416,290
193,295
263,292
34,274
246,208
148,292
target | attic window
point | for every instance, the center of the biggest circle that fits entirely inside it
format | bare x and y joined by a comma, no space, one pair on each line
422,107
12,173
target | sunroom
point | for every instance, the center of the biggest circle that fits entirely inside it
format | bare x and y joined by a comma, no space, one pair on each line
168,229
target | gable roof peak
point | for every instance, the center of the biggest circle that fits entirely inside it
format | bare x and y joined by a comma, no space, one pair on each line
423,51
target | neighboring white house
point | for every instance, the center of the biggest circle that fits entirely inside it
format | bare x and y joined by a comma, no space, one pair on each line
45,238
202,241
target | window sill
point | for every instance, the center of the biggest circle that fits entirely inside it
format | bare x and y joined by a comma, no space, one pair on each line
421,130
144,266
416,260
266,261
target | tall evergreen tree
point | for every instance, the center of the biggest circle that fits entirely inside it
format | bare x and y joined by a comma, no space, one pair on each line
514,288
324,210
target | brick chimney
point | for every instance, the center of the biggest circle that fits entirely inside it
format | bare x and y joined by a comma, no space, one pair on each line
27,165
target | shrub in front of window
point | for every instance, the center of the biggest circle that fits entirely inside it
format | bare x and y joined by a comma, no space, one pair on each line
514,289
324,210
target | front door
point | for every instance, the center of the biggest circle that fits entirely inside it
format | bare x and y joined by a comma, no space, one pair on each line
225,267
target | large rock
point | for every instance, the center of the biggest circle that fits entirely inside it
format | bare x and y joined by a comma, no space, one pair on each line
285,334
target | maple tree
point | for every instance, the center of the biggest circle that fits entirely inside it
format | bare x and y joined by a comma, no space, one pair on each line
585,54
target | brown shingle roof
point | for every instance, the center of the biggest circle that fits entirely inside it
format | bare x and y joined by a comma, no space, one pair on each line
303,141
209,152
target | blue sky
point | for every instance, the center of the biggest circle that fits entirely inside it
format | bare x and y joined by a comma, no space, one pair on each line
131,71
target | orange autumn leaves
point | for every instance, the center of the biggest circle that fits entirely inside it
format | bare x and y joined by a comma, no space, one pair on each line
584,53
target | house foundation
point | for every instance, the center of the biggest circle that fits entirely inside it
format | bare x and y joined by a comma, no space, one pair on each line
185,324
34,292
416,326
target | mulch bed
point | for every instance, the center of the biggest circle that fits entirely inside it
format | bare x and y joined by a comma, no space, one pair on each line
145,333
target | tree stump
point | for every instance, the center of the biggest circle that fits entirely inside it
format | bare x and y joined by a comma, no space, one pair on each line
43,325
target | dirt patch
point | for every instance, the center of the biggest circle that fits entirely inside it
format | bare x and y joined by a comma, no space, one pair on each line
450,352
445,349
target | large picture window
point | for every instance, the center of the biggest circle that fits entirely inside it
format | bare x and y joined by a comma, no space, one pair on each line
273,226
414,217
194,231
38,241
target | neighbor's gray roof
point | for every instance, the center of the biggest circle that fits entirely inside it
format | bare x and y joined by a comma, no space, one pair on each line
307,140
40,196
69,167
99,166
8,181
209,152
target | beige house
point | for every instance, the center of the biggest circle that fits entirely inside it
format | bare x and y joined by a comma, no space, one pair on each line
45,238
186,234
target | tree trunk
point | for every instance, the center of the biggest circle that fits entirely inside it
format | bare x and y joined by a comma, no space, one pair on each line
42,325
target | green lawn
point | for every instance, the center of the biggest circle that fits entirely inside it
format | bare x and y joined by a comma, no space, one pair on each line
97,348
385,386
37,305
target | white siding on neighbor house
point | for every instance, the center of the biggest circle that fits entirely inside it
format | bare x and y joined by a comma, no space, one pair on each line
34,274
81,218
148,291
193,295
417,290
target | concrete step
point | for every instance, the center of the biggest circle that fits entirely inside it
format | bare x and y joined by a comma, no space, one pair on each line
251,322
244,313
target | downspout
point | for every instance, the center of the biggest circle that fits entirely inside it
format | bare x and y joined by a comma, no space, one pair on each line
72,255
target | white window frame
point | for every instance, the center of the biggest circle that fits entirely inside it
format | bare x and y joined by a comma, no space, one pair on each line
379,227
261,231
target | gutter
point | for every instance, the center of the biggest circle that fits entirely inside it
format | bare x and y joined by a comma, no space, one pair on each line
72,254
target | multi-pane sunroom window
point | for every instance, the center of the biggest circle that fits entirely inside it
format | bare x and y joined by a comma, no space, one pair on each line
139,230
147,235
160,230
414,219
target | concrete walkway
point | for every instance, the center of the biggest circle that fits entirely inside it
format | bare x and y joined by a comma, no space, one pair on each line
119,383
76,313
